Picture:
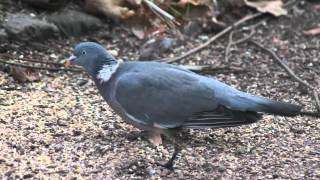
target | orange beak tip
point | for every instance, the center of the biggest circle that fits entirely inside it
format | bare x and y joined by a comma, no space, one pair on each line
70,61
67,63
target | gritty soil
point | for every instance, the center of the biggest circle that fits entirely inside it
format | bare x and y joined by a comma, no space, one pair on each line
61,127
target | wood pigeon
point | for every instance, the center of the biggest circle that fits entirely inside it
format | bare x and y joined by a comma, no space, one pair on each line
163,99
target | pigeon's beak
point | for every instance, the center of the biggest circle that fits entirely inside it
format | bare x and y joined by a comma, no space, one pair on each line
70,61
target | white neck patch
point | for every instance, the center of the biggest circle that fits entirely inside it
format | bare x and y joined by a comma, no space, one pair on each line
106,72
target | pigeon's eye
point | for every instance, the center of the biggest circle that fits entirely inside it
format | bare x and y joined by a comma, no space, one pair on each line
83,52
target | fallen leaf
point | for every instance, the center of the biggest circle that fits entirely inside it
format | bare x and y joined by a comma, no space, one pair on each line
195,2
155,139
134,2
24,75
312,32
316,7
138,31
109,8
274,7
155,47
19,74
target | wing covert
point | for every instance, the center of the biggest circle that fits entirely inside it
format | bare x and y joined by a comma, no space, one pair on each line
164,97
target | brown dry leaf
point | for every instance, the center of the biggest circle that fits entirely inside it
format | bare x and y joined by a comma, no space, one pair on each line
23,74
312,32
109,8
138,31
195,2
274,7
134,2
19,74
155,139
32,75
316,7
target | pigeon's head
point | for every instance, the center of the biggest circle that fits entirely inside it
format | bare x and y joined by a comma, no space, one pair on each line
91,56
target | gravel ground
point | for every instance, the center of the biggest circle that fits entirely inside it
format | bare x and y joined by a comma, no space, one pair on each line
56,128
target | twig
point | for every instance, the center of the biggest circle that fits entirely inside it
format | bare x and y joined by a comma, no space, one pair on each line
170,24
39,67
289,4
159,10
244,39
220,34
41,62
316,97
215,3
215,7
290,72
230,43
287,69
211,69
165,17
31,60
212,39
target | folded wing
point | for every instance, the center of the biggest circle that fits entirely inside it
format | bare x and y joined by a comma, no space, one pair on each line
170,98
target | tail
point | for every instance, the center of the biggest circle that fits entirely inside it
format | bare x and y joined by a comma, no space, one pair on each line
310,114
282,108
278,108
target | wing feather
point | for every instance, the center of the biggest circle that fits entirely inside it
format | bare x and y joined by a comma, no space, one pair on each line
166,96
